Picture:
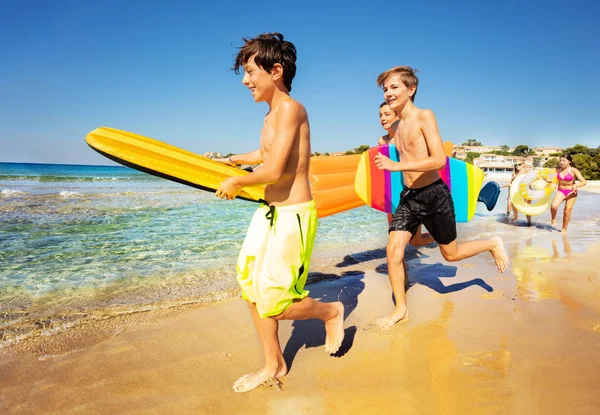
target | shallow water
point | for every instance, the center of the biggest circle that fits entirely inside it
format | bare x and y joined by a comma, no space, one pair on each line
78,239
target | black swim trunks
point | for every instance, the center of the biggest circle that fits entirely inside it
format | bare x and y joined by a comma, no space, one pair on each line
431,206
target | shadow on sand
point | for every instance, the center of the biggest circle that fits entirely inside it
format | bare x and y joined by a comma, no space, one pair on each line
311,333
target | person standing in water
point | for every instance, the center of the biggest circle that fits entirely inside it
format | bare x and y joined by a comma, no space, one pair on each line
567,191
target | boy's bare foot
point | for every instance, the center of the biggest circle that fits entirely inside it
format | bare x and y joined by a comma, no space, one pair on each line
563,232
334,329
553,224
513,220
389,321
267,377
499,254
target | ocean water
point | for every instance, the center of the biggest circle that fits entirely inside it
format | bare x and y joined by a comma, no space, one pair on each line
76,241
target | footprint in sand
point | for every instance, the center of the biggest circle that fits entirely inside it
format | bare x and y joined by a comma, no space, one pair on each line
467,265
496,361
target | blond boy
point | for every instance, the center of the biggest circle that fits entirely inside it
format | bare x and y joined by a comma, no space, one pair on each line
425,199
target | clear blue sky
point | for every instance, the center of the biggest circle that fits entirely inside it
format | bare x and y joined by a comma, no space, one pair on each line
511,72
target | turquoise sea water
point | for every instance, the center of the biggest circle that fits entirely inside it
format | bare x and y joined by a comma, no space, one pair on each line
79,238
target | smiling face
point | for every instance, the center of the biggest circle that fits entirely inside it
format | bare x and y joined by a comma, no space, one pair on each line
563,162
387,117
259,81
396,93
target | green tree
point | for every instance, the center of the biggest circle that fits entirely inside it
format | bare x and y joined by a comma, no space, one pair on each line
537,161
358,150
587,166
523,150
552,163
504,148
578,149
471,155
316,153
471,142
361,149
327,154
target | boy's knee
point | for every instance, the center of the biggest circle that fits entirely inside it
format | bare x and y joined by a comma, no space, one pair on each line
450,256
394,253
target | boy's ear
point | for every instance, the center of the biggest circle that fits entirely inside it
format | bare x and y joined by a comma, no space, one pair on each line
411,90
277,72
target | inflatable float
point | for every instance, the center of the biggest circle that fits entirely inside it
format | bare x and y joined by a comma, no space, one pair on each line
381,189
531,193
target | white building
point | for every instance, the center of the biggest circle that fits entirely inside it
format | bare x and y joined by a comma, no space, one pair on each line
460,152
545,152
496,166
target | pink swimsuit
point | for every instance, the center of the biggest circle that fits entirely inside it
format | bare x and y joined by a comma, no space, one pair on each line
568,178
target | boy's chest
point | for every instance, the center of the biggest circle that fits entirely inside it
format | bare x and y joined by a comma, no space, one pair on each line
266,135
409,137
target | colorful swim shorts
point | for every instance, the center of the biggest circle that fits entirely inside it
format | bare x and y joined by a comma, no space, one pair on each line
273,263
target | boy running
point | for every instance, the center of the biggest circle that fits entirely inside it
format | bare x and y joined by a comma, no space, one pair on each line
425,199
273,263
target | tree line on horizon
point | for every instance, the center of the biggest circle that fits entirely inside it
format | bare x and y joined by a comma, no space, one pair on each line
585,158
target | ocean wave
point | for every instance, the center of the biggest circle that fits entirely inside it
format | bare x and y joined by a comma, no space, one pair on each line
11,192
54,178
66,193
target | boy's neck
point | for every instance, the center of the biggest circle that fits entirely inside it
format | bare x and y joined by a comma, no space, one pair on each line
408,109
279,95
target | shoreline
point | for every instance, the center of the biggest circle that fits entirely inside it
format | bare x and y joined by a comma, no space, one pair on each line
472,342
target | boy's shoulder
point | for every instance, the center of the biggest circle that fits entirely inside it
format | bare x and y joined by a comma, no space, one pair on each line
424,114
291,108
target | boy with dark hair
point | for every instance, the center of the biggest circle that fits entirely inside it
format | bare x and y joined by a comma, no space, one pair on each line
273,263
425,199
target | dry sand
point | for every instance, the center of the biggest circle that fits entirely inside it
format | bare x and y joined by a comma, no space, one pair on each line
526,341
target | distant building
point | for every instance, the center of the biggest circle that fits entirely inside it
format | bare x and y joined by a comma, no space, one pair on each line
460,152
545,152
213,155
496,166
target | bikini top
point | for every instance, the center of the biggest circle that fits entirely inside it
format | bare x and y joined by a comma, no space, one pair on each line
568,178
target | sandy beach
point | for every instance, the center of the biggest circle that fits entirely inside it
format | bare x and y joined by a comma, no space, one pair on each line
525,341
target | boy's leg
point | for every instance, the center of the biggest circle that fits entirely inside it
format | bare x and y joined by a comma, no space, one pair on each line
421,239
397,242
455,252
275,366
332,315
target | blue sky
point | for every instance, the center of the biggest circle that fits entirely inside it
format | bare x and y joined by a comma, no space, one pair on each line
510,72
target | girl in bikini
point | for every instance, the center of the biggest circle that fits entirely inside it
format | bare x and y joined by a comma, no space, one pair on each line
567,189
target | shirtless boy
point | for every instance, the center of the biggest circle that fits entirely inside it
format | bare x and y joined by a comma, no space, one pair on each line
425,199
272,266
388,118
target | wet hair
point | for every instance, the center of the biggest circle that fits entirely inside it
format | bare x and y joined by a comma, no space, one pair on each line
568,157
267,50
407,75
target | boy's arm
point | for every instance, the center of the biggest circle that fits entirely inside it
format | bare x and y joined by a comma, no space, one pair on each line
437,157
287,122
253,157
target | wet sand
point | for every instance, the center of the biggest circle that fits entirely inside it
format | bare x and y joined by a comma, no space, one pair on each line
525,341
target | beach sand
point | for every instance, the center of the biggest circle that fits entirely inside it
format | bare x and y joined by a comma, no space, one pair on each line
525,341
